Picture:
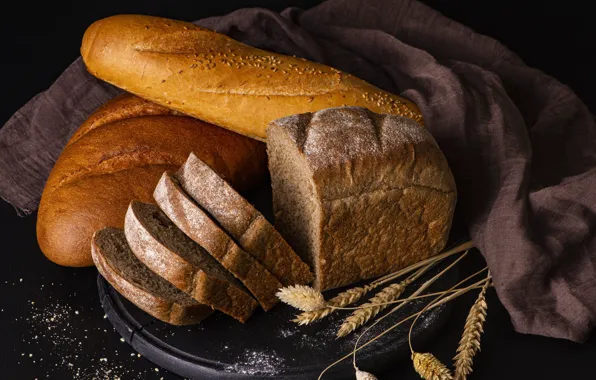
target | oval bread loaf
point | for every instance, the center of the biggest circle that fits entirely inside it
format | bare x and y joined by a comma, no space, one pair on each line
118,155
217,79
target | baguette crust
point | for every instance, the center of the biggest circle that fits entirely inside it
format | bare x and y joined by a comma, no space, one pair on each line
242,221
217,79
166,310
118,155
196,224
209,290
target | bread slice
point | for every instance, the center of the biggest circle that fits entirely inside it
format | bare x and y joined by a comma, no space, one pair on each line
137,283
197,224
158,243
242,222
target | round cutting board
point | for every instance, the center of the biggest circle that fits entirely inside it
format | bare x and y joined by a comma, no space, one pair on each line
269,345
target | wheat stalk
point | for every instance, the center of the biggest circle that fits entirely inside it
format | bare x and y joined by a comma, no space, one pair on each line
427,365
430,368
371,309
378,303
457,292
469,344
346,298
353,295
302,297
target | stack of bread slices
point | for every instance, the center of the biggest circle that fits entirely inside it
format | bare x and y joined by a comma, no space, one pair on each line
195,252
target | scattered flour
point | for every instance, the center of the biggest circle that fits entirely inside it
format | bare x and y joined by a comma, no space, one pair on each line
77,345
254,362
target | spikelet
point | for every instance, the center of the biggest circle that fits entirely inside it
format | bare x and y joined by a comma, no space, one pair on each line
430,368
302,297
469,344
361,375
370,309
343,299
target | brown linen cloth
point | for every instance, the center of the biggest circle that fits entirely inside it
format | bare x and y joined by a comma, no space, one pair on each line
522,146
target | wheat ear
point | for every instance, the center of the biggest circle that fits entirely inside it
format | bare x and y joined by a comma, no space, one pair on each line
353,295
361,375
378,303
371,309
426,364
455,293
469,344
346,298
430,368
302,297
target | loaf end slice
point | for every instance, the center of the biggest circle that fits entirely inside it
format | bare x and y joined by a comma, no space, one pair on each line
167,251
199,226
242,221
137,283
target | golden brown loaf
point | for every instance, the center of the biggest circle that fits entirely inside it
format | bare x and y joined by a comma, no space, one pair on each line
217,79
358,194
118,155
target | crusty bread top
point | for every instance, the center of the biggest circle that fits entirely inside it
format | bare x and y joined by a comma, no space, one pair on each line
125,106
355,142
217,79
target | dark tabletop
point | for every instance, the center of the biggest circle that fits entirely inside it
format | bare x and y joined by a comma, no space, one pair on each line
51,322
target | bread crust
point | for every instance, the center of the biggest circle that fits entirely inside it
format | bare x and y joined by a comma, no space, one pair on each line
118,155
217,79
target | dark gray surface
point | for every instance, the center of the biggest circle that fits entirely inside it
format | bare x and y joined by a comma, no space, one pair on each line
521,145
43,38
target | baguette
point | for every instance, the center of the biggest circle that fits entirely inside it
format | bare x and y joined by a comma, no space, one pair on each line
212,77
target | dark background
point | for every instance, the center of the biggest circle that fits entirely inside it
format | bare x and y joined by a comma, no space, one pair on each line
51,323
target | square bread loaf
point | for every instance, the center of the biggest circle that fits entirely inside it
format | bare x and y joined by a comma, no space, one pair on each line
358,194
